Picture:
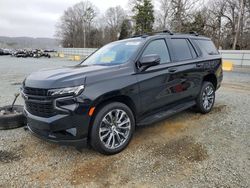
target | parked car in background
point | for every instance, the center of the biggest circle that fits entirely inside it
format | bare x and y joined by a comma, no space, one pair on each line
5,52
36,53
122,85
50,51
1,52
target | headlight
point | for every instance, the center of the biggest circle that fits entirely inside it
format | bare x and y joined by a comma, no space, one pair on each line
66,91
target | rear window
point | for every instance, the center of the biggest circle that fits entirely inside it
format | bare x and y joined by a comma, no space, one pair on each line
207,46
182,49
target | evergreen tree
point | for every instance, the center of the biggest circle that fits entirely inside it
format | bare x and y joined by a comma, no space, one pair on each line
198,24
125,29
144,16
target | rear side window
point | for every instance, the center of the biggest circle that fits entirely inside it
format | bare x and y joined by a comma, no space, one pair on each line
158,47
207,46
182,50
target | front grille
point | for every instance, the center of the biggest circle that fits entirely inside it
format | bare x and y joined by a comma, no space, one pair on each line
40,109
38,102
35,91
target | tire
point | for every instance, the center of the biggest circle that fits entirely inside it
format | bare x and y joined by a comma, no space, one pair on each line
12,121
206,98
105,132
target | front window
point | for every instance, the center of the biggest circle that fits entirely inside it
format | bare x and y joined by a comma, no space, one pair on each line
113,54
158,47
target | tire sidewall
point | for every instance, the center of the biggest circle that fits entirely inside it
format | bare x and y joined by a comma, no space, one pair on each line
12,121
199,99
95,139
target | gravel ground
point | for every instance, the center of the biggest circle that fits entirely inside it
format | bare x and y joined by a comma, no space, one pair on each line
13,71
186,150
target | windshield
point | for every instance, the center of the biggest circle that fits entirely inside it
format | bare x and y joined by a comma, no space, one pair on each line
113,53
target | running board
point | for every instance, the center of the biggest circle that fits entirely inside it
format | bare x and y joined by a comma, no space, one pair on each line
165,114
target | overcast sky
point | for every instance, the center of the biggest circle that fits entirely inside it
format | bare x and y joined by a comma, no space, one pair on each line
37,18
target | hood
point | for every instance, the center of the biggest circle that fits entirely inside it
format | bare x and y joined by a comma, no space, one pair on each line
62,77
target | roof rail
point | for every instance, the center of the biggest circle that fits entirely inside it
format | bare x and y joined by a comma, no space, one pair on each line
167,31
143,36
162,32
152,33
194,33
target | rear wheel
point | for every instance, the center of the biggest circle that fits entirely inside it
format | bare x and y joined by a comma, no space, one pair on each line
206,98
113,128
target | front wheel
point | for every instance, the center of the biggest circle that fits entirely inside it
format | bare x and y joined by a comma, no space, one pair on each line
206,98
113,128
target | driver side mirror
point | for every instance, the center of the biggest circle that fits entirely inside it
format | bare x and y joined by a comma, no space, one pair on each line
149,61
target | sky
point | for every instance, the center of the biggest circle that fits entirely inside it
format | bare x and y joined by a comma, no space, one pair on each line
38,18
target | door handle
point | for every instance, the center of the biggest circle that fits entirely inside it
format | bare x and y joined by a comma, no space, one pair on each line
172,70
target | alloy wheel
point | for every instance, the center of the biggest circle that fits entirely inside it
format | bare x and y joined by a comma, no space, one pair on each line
208,97
115,128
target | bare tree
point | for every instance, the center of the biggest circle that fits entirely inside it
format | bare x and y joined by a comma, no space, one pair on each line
86,12
215,23
227,22
114,17
163,15
75,24
239,21
66,28
181,12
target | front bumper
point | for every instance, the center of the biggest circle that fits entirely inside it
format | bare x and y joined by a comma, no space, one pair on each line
76,142
65,129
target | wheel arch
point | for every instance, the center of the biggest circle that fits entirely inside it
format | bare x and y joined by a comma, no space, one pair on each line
211,78
102,101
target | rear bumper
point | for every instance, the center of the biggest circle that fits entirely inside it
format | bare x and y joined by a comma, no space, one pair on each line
219,81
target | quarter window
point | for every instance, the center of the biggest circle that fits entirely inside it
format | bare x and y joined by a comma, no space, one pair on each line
208,46
158,47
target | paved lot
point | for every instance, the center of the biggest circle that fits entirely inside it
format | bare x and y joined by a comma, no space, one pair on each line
186,150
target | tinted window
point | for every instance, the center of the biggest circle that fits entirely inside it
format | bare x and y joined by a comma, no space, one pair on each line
158,47
181,49
207,46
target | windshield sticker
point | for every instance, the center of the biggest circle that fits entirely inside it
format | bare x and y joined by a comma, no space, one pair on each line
108,57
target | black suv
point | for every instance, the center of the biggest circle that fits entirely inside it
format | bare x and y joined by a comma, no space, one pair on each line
122,85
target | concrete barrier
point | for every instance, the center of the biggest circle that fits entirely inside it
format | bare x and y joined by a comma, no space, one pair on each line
82,52
75,58
61,55
237,57
227,65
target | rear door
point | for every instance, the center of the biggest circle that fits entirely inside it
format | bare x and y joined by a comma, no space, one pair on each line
189,70
175,79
